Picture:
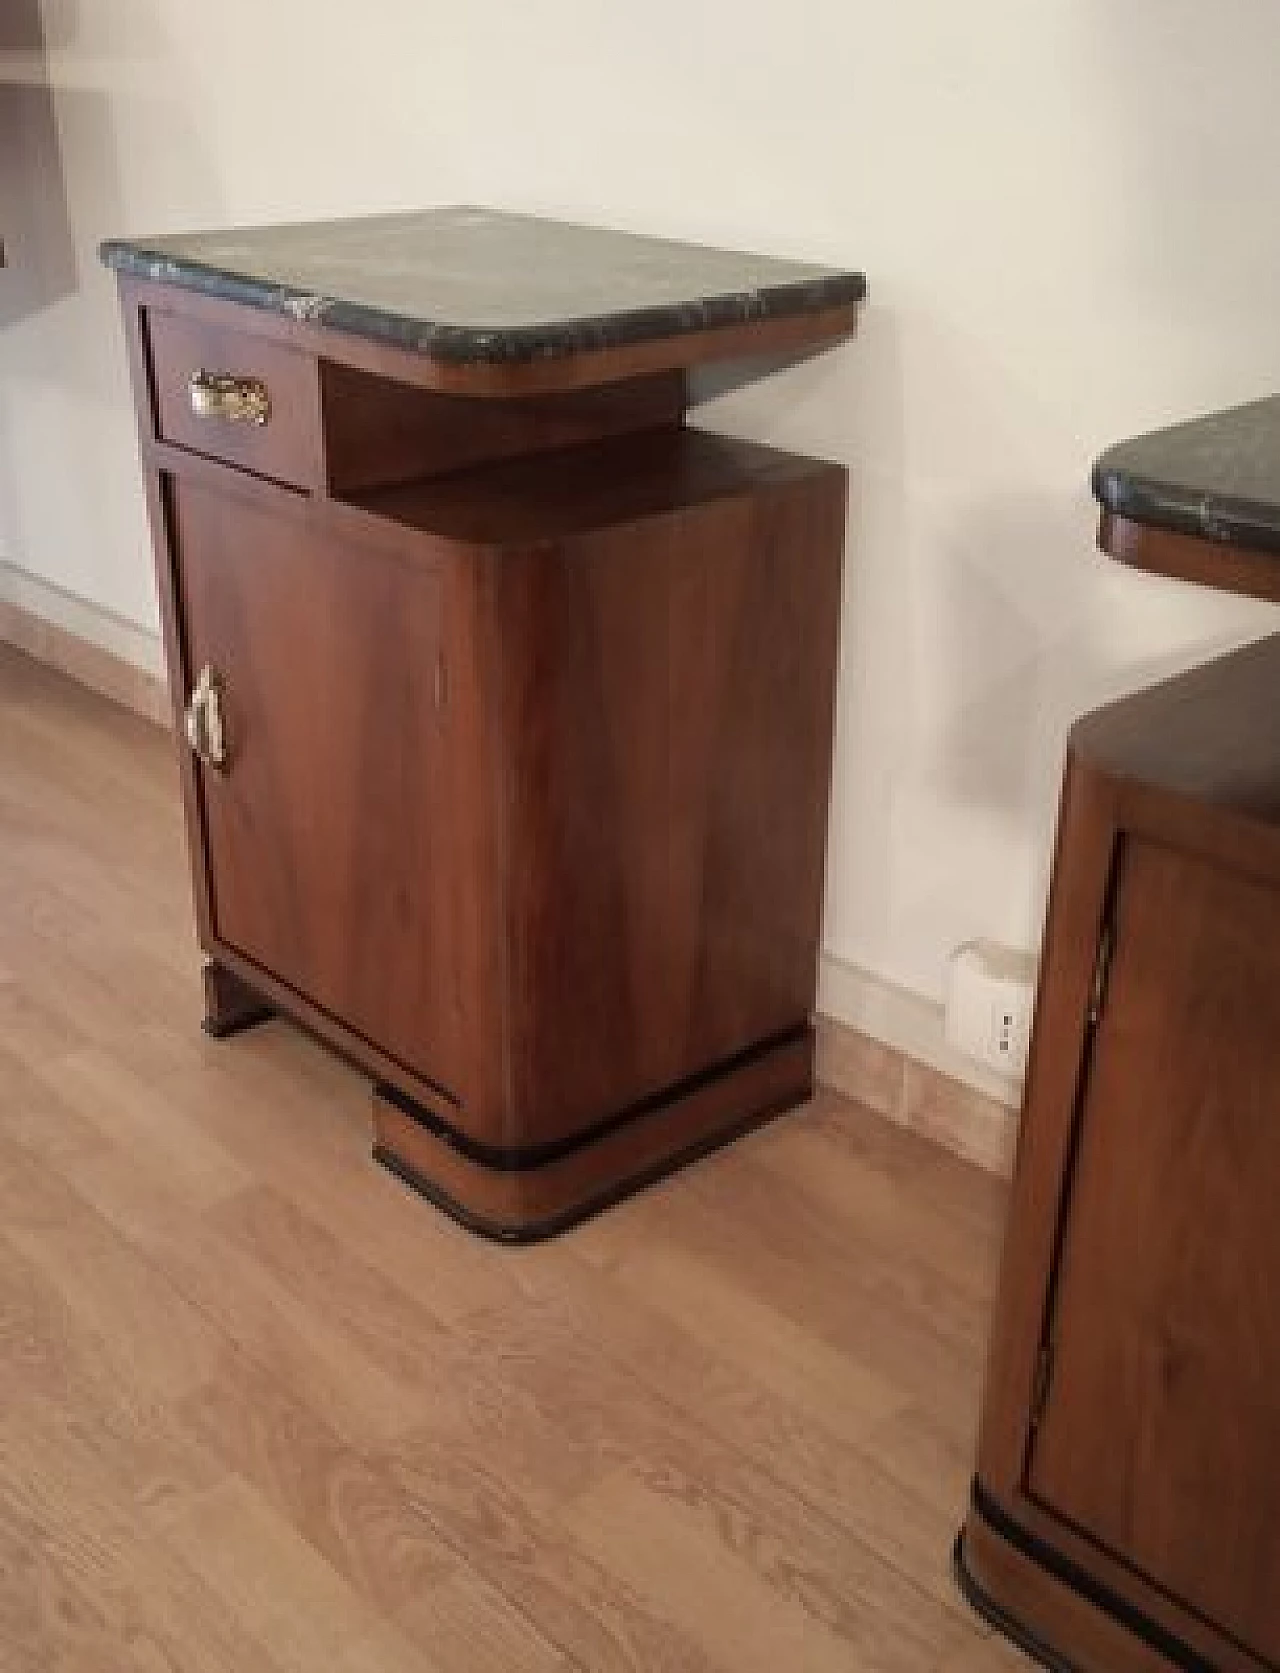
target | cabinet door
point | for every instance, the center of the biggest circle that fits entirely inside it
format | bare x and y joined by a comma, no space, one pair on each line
1160,1434
326,835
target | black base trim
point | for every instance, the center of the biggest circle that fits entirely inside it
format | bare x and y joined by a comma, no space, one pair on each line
539,1231
441,1199
1069,1574
524,1158
994,1616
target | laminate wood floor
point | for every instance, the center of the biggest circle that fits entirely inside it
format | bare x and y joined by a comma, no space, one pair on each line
263,1410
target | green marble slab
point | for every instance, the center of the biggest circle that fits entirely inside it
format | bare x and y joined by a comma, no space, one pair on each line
474,286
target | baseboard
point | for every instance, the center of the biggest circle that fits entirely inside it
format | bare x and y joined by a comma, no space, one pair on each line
94,647
907,1021
939,1107
876,1043
886,1048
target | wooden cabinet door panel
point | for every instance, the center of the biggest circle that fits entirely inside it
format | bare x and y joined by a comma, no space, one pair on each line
327,833
1160,1433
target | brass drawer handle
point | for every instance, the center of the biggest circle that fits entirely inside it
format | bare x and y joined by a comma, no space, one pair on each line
205,724
220,395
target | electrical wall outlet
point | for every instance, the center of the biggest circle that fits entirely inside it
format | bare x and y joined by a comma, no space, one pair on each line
990,996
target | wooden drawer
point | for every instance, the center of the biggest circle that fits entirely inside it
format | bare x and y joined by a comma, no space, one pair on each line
266,420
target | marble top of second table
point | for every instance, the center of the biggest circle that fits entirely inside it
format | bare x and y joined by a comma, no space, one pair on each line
473,285
1216,477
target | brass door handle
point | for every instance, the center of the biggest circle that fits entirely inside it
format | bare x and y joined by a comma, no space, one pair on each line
204,721
221,395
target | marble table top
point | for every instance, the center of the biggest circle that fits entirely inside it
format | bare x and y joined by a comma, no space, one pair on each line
469,285
1216,477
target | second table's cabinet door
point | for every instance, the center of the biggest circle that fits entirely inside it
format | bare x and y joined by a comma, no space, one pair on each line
327,831
1159,1437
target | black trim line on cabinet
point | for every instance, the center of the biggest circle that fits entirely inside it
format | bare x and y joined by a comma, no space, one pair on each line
995,1616
516,1159
1071,1575
538,1231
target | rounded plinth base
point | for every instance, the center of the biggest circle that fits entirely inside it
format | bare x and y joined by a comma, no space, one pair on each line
519,1197
1051,1609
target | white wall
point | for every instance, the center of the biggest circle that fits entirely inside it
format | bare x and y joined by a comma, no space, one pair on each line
1066,212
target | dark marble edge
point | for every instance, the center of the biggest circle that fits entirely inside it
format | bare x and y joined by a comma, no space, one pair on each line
492,345
1224,520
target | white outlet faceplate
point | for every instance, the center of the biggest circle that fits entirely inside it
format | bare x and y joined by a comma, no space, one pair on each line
990,995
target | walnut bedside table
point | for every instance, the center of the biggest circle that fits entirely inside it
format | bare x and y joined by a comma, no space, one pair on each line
506,699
